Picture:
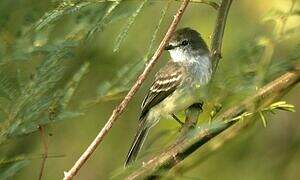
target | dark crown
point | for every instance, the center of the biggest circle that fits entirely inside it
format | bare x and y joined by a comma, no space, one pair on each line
190,35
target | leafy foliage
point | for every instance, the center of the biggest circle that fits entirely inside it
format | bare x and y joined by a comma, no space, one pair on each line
256,62
8,171
280,105
44,95
124,32
103,21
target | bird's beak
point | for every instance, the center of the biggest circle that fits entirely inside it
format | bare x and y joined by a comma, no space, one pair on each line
169,47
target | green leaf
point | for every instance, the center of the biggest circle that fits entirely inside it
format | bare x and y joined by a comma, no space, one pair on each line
263,118
63,9
32,126
103,88
47,108
102,22
115,89
5,161
68,114
121,37
282,105
122,81
9,170
8,89
73,84
32,105
162,16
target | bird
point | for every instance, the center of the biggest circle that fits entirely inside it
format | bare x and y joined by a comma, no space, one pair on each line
177,85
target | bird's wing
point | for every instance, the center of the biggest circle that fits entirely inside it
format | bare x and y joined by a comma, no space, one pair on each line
165,83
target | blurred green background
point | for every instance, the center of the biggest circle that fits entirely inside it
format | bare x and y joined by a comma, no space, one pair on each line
256,153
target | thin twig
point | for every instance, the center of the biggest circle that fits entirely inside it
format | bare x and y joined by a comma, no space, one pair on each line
179,151
121,107
45,147
217,37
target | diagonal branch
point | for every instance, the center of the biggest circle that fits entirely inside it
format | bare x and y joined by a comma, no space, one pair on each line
219,141
121,107
179,151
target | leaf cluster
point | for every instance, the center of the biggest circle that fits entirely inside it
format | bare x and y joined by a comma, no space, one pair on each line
30,98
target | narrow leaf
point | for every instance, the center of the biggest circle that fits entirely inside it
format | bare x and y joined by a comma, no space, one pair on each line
73,84
121,37
163,14
102,22
63,9
10,170
263,118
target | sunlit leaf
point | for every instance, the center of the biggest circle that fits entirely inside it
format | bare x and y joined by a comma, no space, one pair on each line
263,118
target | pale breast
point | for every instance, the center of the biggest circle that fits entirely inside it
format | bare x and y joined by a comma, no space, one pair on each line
199,70
197,74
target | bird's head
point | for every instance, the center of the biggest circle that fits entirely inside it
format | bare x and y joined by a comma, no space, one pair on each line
186,43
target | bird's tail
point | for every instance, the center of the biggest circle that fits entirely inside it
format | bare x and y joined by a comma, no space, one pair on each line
138,141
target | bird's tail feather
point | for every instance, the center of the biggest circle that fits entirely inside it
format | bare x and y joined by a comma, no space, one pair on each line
138,142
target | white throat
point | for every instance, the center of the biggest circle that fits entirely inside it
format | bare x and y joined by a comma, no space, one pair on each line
199,64
178,55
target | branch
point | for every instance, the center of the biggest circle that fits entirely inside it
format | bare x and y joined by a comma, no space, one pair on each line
121,107
217,37
218,142
45,154
179,151
191,118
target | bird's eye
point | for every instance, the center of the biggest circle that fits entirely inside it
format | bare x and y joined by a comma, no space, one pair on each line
184,43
